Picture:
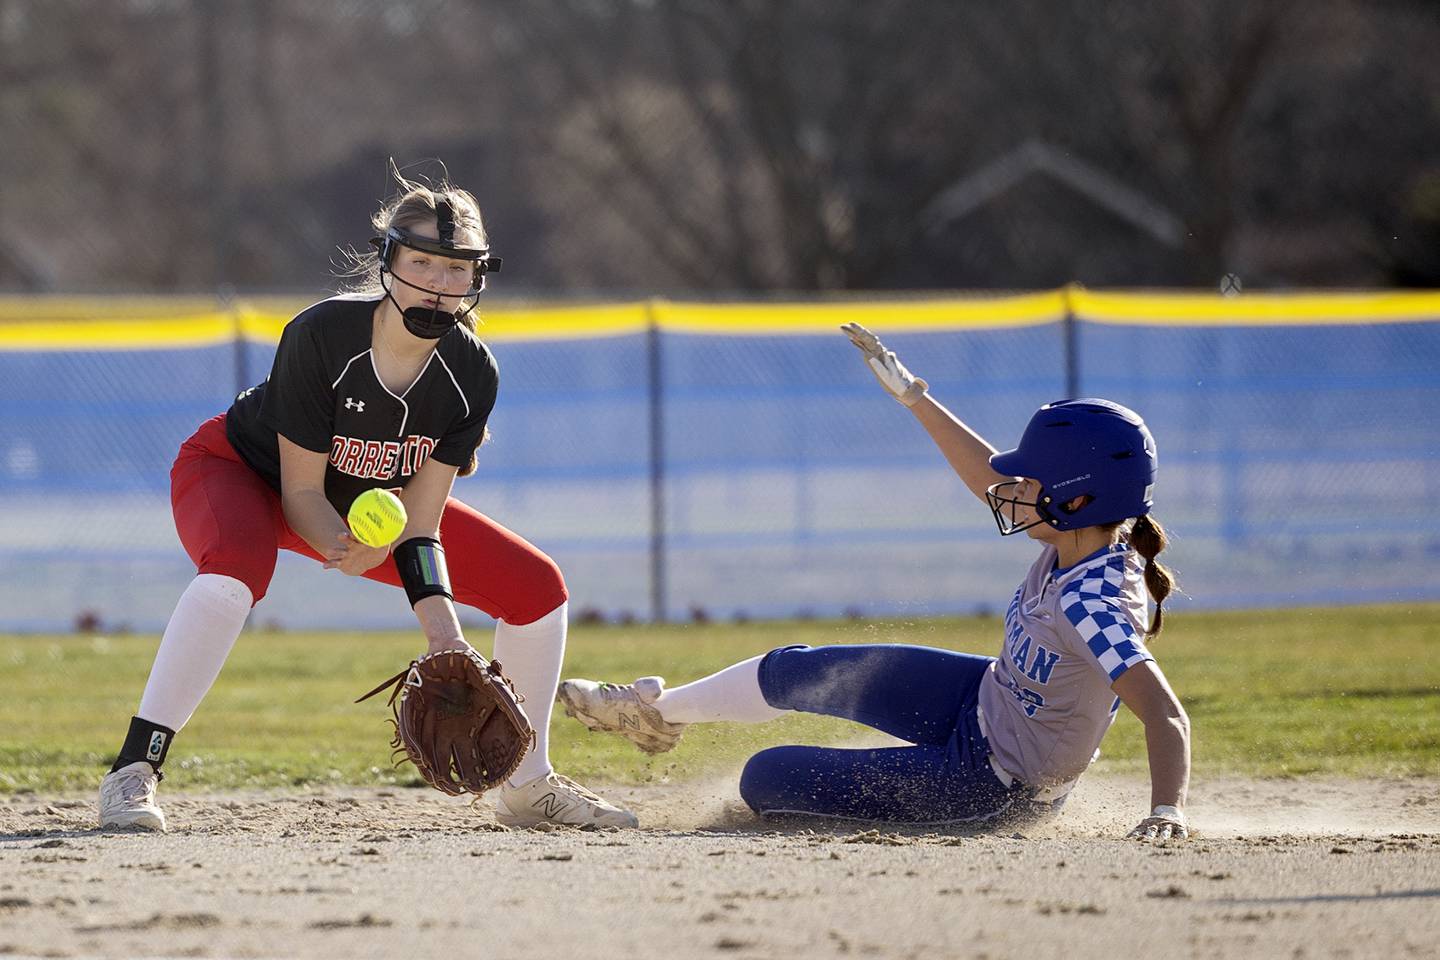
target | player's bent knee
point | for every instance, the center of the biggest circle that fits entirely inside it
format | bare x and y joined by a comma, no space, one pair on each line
255,576
549,581
777,676
762,781
544,590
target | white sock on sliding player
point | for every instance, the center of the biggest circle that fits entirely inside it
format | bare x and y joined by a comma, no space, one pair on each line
732,694
198,638
530,655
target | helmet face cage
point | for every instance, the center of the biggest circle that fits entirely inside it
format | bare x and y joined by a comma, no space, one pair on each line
431,323
1006,508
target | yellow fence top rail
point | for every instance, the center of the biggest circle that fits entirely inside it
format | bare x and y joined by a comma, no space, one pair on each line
1254,309
122,323
530,323
891,316
45,323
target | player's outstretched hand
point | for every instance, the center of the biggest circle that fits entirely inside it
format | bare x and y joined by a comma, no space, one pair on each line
1163,824
352,557
899,382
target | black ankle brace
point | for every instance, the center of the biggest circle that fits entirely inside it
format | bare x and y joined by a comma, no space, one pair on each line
146,741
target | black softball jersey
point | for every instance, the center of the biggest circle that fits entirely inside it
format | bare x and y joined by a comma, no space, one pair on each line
324,394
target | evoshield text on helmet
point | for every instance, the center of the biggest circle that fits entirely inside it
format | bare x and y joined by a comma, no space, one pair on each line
431,323
1088,448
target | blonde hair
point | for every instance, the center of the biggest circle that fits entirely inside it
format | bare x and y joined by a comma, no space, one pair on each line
413,205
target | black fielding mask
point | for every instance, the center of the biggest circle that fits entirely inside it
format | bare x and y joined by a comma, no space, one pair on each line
432,323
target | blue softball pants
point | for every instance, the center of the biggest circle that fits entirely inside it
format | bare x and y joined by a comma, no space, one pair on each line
922,695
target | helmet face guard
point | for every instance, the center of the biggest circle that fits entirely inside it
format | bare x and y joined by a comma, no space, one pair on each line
1088,448
432,323
1006,508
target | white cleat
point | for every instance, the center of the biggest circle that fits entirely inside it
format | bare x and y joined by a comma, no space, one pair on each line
624,709
558,800
127,798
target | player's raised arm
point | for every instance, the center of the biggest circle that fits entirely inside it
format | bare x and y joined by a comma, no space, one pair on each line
967,452
1144,690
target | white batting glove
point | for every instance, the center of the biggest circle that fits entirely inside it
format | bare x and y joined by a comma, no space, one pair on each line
1164,823
898,381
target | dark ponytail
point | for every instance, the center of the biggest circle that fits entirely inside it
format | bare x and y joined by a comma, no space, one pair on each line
1147,538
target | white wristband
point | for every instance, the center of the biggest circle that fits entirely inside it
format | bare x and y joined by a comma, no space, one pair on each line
1168,812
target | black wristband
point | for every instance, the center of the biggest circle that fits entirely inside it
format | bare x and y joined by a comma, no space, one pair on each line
144,741
423,573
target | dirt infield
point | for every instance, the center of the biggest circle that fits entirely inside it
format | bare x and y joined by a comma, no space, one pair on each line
1280,868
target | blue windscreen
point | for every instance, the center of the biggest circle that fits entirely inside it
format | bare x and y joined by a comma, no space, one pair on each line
1298,465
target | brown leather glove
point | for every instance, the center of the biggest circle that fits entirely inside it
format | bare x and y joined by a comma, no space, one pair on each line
458,719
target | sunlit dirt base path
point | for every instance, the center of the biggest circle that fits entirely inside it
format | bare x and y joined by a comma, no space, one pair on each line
1280,868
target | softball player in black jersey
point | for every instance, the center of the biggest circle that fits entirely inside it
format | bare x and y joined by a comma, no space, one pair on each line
387,387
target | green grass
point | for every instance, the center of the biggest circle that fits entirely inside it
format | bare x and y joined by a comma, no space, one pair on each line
1348,691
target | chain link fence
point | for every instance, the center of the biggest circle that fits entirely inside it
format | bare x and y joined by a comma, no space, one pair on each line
736,462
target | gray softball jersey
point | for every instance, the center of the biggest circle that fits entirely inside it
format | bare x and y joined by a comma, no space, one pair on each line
1046,703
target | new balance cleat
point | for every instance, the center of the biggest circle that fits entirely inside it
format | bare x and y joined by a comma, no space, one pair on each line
625,709
558,800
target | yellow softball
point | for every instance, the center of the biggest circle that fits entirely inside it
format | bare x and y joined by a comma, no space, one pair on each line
376,517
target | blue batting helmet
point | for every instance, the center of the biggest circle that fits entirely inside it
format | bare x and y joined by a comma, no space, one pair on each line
1074,448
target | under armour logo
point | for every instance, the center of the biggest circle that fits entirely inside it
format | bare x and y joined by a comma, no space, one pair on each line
357,405
551,804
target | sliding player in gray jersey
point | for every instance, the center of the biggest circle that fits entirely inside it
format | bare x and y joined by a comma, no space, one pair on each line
989,738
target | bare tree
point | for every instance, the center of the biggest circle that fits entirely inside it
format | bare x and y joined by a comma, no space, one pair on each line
797,145
749,144
664,145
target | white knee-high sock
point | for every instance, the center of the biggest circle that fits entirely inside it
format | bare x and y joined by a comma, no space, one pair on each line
198,638
732,694
530,655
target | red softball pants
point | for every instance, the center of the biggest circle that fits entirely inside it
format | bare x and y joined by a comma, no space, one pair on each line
231,523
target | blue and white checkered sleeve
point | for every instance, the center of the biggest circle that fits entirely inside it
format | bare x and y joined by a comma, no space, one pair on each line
1093,608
